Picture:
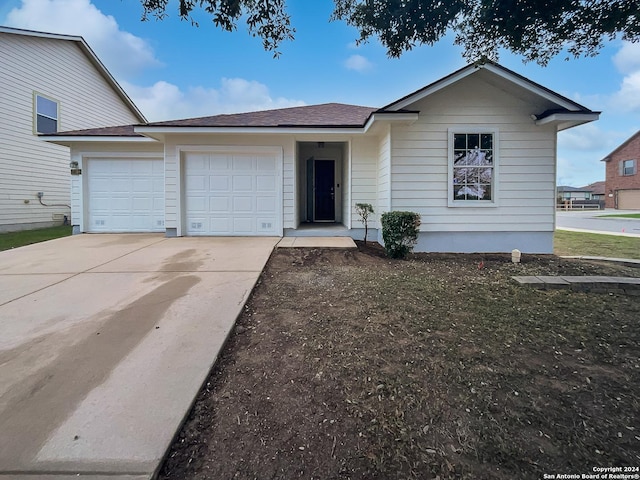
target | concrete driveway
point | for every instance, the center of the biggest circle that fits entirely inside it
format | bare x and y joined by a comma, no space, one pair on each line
105,341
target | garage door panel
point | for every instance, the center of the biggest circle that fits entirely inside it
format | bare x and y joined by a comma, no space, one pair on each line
629,199
243,162
125,195
242,183
219,183
240,188
265,183
196,183
220,162
242,204
219,204
266,204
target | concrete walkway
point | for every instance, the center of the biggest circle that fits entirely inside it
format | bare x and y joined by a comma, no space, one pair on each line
317,242
106,340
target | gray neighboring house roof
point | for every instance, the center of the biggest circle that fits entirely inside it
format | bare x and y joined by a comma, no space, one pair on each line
567,188
596,188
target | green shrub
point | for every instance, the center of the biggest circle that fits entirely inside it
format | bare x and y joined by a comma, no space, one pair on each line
400,232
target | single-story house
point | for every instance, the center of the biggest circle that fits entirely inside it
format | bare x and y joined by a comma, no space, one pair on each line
596,189
473,153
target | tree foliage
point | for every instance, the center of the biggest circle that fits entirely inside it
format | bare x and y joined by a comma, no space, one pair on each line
535,29
266,19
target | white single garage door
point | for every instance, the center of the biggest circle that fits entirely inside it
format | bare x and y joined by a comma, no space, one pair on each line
125,195
629,199
233,193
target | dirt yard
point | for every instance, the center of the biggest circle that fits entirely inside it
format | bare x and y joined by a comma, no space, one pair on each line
348,365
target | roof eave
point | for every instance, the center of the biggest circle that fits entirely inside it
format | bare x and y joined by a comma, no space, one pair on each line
67,140
567,120
394,117
154,131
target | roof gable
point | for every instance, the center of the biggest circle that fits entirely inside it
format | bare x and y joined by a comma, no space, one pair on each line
500,74
635,136
93,58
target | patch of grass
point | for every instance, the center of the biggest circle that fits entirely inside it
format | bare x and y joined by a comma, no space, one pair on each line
26,237
623,215
595,244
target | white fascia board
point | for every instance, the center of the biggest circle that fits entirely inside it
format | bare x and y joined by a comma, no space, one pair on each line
67,140
152,131
408,117
572,119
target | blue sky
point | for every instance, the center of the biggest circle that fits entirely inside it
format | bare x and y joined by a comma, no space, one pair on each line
172,69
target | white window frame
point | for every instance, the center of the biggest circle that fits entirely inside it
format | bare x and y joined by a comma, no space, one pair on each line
623,168
494,180
36,114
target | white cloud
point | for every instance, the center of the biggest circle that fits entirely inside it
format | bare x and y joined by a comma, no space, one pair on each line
358,63
587,138
123,54
165,101
627,99
627,60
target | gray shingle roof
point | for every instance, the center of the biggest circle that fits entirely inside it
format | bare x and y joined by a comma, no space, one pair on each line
324,115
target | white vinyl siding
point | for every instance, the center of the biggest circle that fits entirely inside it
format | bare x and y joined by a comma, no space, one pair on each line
526,176
364,178
59,70
384,173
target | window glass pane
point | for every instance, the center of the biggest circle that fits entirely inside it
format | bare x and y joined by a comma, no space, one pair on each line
459,141
46,107
485,175
46,125
486,192
486,141
460,157
473,166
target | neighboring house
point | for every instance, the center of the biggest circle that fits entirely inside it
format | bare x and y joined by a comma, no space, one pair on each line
566,192
622,184
596,189
473,153
48,83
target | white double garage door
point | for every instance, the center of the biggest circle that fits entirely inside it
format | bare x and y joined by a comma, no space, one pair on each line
223,192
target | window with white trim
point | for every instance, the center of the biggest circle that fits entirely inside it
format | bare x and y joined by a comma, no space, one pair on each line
45,114
628,168
472,166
